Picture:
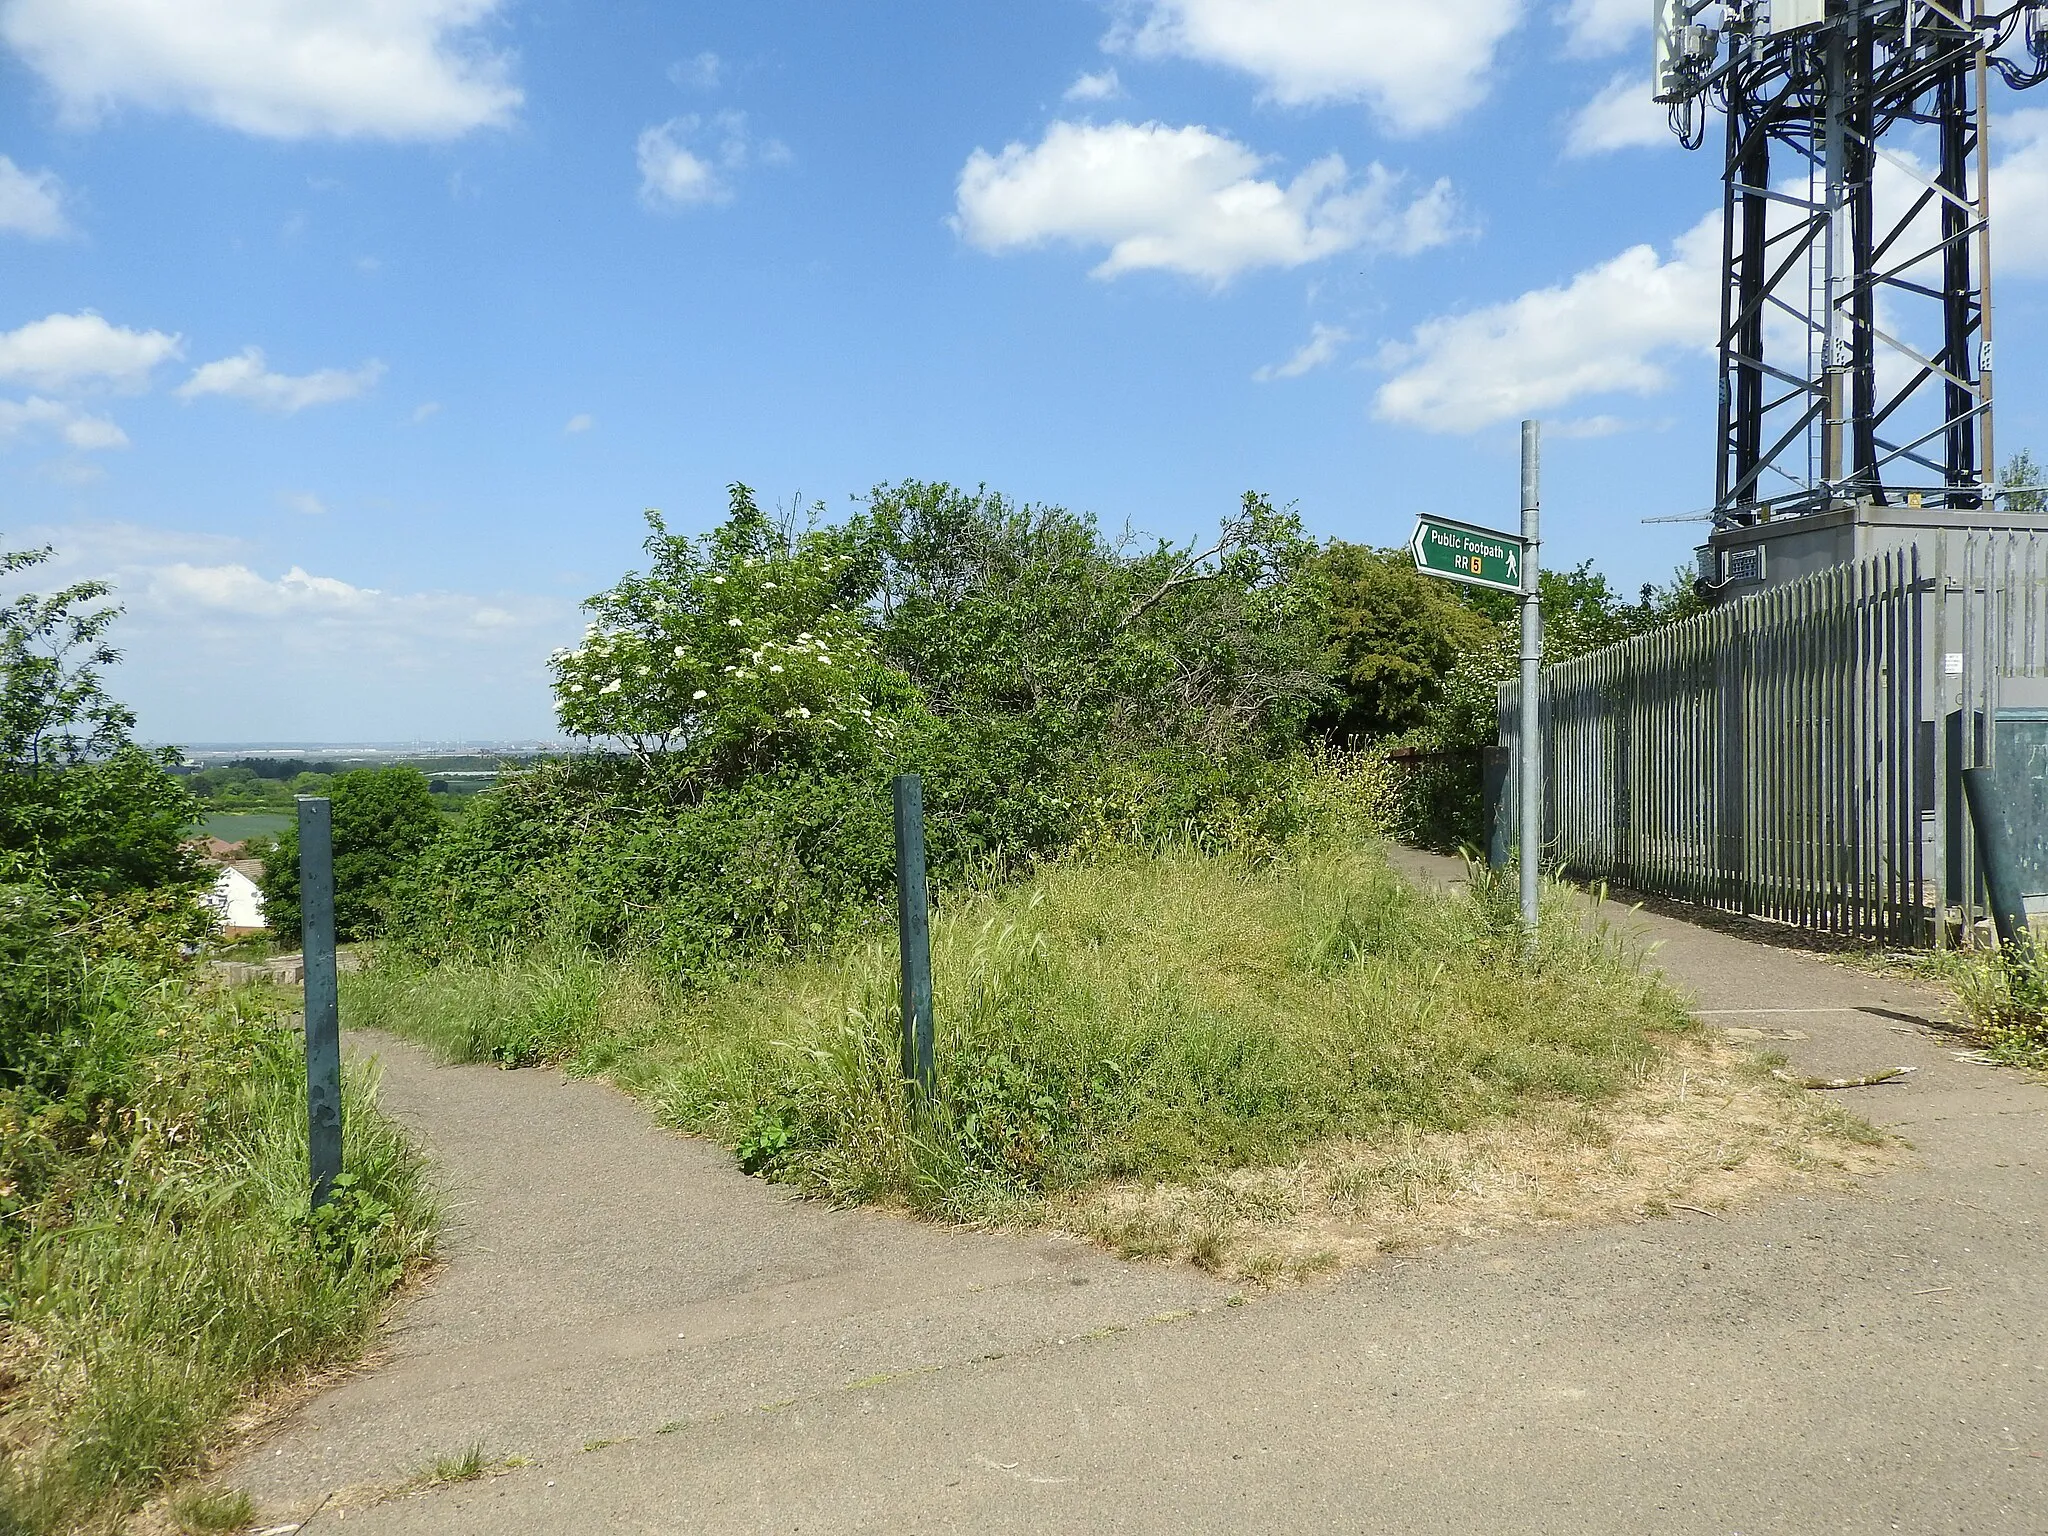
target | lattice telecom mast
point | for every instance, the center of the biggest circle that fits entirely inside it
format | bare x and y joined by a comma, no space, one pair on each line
1856,244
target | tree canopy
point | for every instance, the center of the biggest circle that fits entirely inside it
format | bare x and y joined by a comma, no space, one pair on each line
383,818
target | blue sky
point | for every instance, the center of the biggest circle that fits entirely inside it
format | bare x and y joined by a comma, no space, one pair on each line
350,337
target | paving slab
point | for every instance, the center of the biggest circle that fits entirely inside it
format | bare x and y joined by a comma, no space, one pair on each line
1866,1360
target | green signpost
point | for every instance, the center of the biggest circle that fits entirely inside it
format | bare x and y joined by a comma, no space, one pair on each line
1458,551
1480,557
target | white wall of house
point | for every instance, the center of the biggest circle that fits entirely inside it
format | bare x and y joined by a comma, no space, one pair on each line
237,901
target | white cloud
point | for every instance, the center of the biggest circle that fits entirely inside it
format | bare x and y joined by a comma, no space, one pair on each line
702,73
2019,194
236,618
673,174
210,625
392,69
31,204
202,617
305,503
238,589
582,421
245,376
1319,351
1610,329
1098,87
35,415
1419,66
1186,200
1597,27
670,175
61,352
1622,116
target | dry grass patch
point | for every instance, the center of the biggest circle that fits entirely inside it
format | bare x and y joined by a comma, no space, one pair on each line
1704,1127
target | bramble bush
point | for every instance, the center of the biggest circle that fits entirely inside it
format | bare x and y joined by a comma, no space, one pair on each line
93,868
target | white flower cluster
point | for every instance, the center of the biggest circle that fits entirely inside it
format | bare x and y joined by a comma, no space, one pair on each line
608,658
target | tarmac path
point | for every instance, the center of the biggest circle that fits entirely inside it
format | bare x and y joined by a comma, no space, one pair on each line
675,1347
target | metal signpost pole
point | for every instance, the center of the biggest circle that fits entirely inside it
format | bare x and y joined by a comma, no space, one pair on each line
1451,550
913,929
323,1000
1532,679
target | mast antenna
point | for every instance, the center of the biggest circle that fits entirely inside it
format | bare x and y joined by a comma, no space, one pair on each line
1855,341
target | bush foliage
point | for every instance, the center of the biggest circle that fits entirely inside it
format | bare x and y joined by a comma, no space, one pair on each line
762,682
1423,664
93,869
383,819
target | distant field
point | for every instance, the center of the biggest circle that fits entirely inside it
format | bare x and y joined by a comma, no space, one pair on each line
234,826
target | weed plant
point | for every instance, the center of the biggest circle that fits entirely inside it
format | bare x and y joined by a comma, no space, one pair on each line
206,1511
1143,1015
465,1468
158,1263
2004,997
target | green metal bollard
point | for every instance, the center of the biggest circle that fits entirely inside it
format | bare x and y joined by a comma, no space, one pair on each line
914,936
1994,853
323,998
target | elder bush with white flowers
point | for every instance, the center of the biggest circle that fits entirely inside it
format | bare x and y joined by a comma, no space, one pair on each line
750,692
732,653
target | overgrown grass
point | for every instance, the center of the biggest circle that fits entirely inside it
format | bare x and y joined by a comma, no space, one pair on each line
166,1267
1138,1017
2003,996
200,1511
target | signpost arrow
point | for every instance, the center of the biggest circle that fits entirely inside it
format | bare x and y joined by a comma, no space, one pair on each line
1479,557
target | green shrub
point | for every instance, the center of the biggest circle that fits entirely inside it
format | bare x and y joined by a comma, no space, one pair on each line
1394,635
383,819
762,683
157,1261
104,826
2004,996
